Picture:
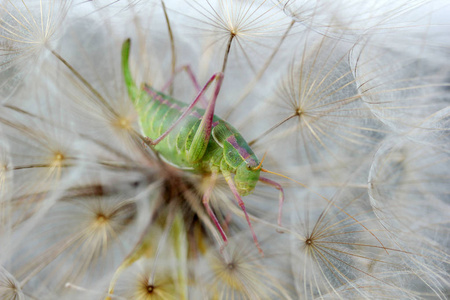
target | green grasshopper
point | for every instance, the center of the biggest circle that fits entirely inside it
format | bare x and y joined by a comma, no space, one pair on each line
204,144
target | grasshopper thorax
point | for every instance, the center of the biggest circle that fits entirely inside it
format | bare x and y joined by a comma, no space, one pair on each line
241,160
246,178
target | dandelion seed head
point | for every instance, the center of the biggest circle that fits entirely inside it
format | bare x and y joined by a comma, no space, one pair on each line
9,286
231,272
40,151
334,242
239,272
27,30
408,176
58,159
240,18
350,20
403,90
86,206
318,111
110,219
162,289
142,282
91,232
124,123
249,28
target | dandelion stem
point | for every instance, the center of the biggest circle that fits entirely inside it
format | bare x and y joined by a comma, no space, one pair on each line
225,58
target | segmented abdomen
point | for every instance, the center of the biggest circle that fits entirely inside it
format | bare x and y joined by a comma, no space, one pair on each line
157,112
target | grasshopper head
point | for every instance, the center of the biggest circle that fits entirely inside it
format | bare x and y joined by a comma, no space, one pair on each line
246,178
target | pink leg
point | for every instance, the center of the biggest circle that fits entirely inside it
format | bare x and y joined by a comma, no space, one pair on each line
211,106
191,75
278,187
229,180
227,221
205,201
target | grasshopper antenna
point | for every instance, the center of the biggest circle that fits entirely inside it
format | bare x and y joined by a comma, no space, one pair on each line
172,44
277,186
284,176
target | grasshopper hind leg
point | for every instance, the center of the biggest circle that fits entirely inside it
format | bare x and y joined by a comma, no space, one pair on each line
188,70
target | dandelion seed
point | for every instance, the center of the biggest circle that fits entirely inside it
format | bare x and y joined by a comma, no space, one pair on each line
351,19
408,176
93,235
245,29
319,111
404,88
138,283
88,210
40,155
9,287
6,181
239,273
341,249
151,273
27,30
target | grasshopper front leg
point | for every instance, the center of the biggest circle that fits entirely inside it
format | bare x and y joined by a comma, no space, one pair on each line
241,204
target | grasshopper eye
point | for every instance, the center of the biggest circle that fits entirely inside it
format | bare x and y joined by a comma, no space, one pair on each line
249,167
